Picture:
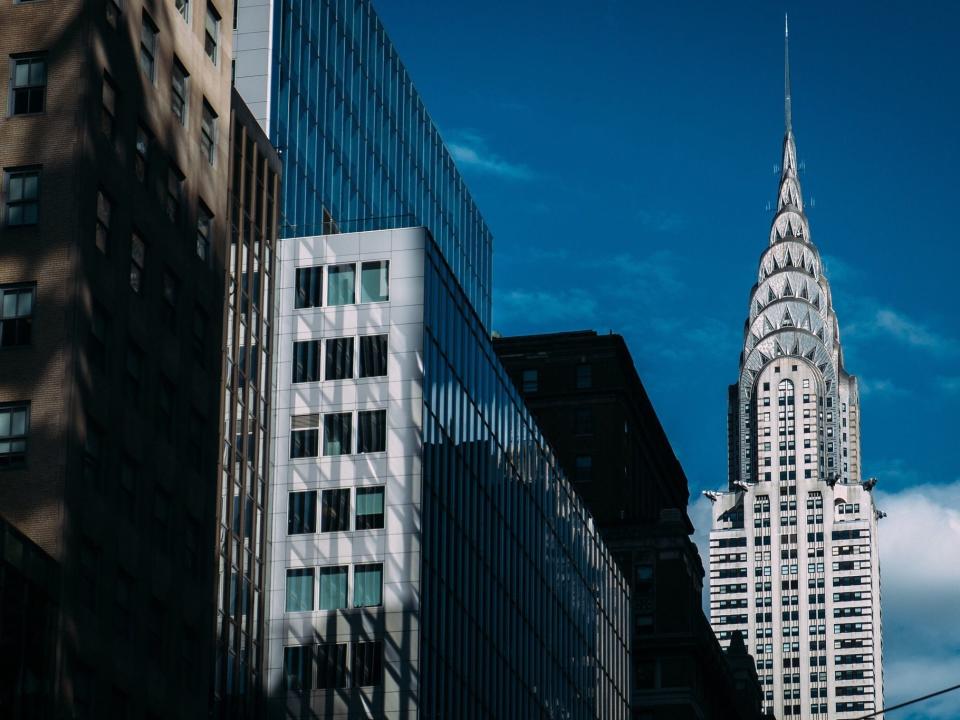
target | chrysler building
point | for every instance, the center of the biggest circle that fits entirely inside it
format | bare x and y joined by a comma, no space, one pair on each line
794,564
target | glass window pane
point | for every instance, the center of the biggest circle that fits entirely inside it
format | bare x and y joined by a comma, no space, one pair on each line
335,514
368,585
300,590
333,588
340,284
306,361
374,281
372,431
331,665
337,434
373,356
297,668
302,512
309,291
339,359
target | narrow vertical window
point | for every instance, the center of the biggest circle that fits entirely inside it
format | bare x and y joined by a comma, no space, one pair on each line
98,337
375,281
211,34
148,48
134,373
584,377
208,133
339,359
340,284
183,7
104,211
171,293
142,156
369,508
300,590
179,95
16,315
302,512
14,427
108,110
174,199
204,232
138,259
309,287
333,588
22,197
113,12
335,510
28,85
371,431
337,434
373,355
368,585
530,381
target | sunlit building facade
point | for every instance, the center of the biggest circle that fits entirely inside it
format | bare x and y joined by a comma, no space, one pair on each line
794,564
429,558
359,149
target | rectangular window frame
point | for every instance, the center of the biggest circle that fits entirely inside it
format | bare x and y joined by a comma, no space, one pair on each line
29,93
14,434
21,209
16,321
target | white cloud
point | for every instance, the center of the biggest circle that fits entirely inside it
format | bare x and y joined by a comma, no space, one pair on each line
920,572
470,150
909,331
870,321
700,511
532,310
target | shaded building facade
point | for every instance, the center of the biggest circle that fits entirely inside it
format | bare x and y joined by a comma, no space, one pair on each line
113,149
586,395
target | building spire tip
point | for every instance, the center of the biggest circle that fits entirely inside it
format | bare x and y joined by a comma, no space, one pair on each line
787,106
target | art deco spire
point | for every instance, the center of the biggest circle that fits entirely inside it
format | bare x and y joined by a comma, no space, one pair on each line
787,110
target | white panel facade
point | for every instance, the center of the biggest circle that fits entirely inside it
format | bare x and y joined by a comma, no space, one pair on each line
397,468
252,47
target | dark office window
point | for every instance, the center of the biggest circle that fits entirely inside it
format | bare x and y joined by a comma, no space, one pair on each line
309,287
134,373
337,434
583,421
369,508
304,435
375,281
28,85
174,199
584,377
371,431
171,292
200,324
141,158
14,427
104,213
584,468
332,665
98,338
16,315
138,259
148,48
183,7
108,111
179,92
297,668
302,512
373,355
341,280
208,133
22,197
211,34
335,511
204,232
530,381
339,359
306,361
367,664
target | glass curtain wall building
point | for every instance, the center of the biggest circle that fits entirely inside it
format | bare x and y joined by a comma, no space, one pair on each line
433,560
359,149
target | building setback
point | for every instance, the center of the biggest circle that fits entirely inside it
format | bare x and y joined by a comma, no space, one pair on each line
586,395
113,149
794,564
359,149
429,558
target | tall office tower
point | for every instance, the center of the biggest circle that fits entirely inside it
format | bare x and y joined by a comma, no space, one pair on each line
428,557
114,159
585,393
359,149
794,563
247,408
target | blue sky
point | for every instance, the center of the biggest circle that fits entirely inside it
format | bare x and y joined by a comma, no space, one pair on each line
623,154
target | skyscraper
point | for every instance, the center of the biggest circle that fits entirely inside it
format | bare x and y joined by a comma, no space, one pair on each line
359,149
794,562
